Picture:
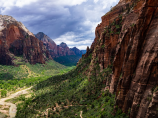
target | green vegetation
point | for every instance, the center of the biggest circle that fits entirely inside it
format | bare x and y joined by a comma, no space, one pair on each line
64,96
103,46
3,93
13,78
70,60
132,25
114,27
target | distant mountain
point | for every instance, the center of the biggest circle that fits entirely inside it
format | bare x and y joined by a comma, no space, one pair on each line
64,50
77,51
57,50
49,43
63,45
17,40
60,53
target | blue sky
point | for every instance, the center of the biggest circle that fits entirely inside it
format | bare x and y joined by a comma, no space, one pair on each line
69,21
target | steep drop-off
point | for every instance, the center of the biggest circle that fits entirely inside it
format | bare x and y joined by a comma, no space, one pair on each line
127,39
16,39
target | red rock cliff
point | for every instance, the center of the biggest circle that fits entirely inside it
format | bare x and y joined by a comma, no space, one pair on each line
15,39
127,38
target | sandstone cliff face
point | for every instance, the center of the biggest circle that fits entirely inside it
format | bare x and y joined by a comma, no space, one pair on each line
15,39
127,38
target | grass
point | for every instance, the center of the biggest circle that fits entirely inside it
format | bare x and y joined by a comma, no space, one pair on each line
17,99
13,78
70,60
64,96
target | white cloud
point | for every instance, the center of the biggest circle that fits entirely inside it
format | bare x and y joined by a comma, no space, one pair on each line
69,21
18,3
95,1
69,38
69,2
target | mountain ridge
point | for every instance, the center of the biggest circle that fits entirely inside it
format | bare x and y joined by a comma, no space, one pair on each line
57,50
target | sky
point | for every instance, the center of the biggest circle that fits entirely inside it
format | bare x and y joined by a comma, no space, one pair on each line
69,21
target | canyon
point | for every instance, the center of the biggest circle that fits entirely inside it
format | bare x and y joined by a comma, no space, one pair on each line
17,40
124,53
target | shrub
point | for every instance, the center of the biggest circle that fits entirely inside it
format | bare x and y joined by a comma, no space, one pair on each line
3,93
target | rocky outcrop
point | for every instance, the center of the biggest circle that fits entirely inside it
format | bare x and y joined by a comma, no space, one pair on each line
127,39
76,51
16,40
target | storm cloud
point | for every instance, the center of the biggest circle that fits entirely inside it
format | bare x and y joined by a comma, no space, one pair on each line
69,21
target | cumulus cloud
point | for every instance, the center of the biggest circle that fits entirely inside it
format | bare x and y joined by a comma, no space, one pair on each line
69,21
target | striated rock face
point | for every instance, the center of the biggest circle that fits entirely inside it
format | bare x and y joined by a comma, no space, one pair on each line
15,39
127,38
76,51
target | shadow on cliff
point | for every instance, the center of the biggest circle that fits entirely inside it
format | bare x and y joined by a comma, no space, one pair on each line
6,76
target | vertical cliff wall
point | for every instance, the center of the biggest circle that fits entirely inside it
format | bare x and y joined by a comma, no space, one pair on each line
15,39
127,39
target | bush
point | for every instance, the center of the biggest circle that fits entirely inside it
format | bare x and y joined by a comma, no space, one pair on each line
3,93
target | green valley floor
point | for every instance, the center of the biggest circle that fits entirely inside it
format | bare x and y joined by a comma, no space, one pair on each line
70,95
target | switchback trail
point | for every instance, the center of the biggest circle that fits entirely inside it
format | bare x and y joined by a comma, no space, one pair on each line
13,108
81,114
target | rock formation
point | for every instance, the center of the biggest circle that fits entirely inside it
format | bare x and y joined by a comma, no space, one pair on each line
57,50
49,43
64,50
76,51
127,39
16,39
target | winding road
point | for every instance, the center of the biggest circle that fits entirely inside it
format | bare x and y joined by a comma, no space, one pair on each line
13,108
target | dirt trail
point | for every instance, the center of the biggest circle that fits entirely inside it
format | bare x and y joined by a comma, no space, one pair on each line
81,114
13,108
